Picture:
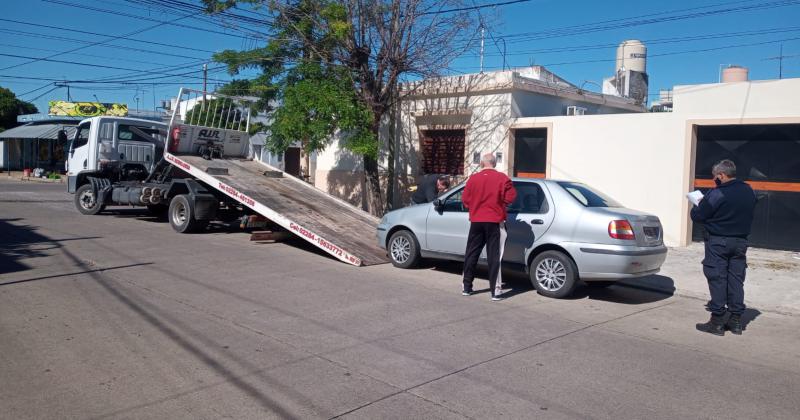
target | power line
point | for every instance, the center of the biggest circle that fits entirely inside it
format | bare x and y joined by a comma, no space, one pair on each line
85,64
656,41
130,15
61,28
476,7
25,47
96,43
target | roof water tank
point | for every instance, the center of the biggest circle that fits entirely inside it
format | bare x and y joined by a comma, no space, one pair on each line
735,74
632,55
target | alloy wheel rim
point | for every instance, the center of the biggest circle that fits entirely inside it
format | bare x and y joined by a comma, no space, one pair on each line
401,249
551,274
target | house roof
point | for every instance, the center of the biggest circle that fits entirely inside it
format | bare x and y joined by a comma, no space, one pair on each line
37,131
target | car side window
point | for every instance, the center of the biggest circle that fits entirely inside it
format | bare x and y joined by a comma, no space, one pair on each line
530,199
453,202
82,136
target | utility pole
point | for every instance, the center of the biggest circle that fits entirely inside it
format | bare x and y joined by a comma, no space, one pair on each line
482,31
205,80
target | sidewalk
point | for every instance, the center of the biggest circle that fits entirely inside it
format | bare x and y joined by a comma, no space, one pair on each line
18,176
772,283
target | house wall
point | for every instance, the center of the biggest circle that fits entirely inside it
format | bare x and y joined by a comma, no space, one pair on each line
529,104
646,161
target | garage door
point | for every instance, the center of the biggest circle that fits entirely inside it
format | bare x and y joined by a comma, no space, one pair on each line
767,156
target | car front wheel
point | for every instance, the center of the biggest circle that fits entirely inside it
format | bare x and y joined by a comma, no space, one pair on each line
403,249
553,274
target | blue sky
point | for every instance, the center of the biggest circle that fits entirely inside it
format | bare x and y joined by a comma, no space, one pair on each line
753,35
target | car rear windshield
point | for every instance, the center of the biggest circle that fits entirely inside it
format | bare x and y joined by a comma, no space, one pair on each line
587,196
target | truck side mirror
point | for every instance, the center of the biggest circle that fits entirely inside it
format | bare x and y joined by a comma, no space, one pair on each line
62,135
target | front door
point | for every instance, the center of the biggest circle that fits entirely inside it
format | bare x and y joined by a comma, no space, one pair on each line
447,230
78,160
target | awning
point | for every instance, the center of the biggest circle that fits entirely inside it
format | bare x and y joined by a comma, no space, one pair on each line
37,132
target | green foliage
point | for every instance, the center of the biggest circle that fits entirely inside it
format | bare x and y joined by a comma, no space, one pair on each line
11,107
316,105
314,98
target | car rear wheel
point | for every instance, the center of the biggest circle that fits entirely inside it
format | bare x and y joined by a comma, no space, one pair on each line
403,249
553,274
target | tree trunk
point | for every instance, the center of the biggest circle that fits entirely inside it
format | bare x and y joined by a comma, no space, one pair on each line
372,178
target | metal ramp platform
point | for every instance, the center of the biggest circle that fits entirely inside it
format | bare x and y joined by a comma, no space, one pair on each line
336,227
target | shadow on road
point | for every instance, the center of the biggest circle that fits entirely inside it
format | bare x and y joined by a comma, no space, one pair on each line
649,289
21,242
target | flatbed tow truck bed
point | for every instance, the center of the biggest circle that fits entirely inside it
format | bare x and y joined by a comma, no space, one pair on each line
341,230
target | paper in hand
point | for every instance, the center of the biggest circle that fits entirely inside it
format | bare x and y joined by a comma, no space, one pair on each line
695,197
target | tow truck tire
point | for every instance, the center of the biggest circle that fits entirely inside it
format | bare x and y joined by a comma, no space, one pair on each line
86,202
182,215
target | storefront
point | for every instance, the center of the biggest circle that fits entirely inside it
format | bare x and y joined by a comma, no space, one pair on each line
35,145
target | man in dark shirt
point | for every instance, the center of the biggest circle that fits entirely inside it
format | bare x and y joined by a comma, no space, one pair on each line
726,212
431,186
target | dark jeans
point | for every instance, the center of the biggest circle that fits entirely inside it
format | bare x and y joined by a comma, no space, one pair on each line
480,234
724,266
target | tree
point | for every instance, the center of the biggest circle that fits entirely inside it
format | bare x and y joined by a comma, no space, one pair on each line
11,107
367,47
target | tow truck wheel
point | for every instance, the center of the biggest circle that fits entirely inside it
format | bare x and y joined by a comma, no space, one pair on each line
182,215
85,200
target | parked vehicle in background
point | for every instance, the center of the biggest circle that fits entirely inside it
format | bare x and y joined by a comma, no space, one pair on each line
559,232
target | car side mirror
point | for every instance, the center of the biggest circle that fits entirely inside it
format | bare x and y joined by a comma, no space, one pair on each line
438,205
62,135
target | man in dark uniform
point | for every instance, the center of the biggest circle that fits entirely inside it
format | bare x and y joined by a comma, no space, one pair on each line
726,212
431,186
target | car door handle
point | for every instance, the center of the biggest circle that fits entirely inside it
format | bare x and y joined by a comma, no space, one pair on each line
537,222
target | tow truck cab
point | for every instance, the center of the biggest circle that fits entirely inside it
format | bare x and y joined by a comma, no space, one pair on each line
114,148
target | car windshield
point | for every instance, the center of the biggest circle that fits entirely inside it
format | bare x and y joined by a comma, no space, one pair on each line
587,196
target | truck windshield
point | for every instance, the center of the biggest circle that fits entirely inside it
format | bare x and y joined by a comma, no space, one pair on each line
587,196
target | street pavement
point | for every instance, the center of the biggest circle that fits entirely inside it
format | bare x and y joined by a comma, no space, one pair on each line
117,316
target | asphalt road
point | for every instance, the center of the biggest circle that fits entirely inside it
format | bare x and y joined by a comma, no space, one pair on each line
117,316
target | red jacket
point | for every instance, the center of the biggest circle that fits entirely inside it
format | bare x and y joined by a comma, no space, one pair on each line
487,194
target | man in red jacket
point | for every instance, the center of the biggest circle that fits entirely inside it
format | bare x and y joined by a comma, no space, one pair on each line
486,196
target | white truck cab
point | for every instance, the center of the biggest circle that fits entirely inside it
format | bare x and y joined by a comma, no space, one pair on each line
121,149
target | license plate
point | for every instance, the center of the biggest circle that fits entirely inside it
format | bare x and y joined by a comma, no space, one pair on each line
652,232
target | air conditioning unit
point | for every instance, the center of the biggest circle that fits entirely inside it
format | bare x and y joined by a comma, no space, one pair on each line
576,110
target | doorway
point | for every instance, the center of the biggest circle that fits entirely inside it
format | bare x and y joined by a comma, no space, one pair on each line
291,161
530,153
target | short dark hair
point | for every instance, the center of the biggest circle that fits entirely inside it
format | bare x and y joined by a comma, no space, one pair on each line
725,166
445,180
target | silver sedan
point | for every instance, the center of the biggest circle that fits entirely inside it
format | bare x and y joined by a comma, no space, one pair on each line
559,232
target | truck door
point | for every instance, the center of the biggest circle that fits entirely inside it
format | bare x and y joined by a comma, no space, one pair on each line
78,160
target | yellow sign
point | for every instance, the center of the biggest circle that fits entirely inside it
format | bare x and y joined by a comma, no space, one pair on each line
87,109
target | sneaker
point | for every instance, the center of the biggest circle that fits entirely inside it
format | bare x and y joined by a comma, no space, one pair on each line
496,298
466,292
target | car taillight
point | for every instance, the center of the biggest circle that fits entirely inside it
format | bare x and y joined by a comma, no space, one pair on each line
175,140
620,229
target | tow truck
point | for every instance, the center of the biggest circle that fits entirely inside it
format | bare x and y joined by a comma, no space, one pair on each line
195,169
